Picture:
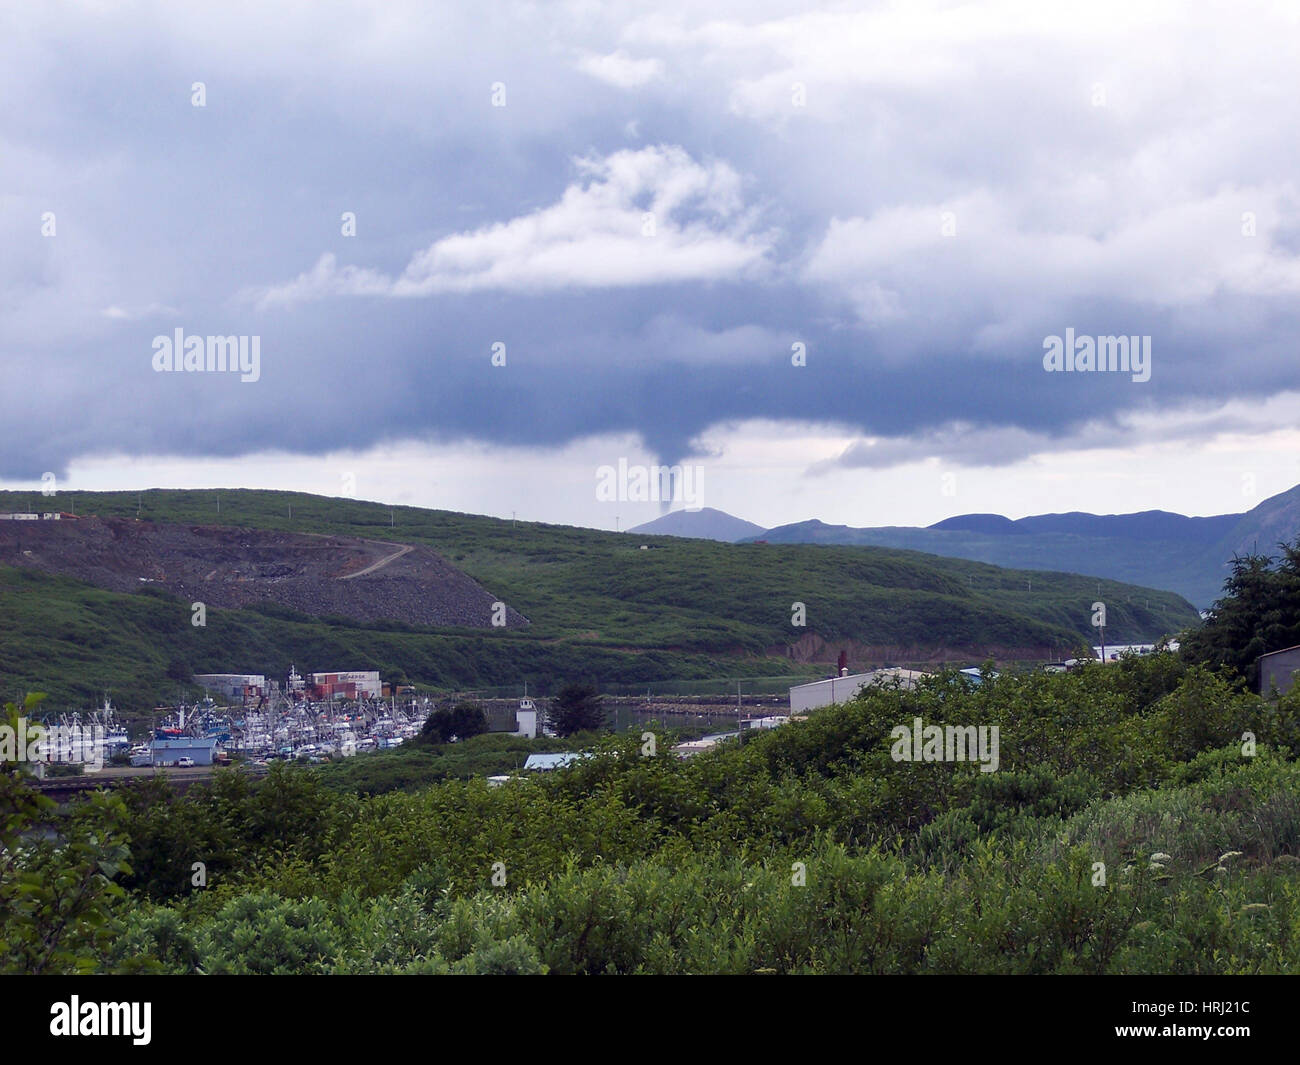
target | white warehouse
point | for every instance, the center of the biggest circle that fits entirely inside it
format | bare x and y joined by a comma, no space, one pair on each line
841,689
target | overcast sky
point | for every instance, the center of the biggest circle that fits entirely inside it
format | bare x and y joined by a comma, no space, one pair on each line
816,255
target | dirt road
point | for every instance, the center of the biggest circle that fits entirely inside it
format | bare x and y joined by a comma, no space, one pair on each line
382,562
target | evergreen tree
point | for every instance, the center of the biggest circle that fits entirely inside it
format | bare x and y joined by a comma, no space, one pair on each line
577,708
1258,613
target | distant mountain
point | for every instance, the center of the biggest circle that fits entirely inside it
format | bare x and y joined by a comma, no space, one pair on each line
979,523
1147,525
1153,548
1263,528
703,524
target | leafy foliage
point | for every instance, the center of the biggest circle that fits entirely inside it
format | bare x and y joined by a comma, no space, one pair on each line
57,890
1127,830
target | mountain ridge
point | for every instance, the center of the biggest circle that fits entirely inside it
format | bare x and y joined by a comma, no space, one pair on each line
1154,548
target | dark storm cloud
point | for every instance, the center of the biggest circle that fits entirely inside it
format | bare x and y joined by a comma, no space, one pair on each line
920,226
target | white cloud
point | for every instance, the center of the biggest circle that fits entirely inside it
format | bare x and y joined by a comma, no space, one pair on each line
126,314
944,49
621,70
636,217
999,260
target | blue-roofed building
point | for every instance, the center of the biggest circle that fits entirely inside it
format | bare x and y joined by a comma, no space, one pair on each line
170,751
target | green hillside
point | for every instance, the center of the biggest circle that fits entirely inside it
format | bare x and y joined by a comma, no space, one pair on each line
599,606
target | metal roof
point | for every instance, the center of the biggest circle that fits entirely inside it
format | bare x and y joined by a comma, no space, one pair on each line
1280,651
552,761
184,742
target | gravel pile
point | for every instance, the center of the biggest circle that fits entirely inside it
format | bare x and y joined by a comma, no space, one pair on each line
361,580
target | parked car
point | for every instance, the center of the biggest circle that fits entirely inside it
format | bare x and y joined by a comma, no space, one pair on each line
184,763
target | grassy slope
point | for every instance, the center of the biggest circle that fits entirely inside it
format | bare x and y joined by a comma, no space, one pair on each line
75,642
599,606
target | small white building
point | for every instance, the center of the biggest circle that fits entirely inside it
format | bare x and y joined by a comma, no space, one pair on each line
1116,651
704,743
526,719
773,721
546,763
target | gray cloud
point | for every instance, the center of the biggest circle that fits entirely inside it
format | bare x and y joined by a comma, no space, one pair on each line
821,222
